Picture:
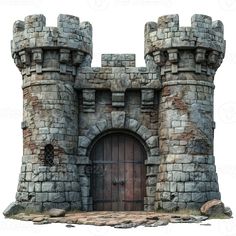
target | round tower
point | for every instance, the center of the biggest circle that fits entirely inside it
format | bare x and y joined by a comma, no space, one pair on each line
188,58
48,58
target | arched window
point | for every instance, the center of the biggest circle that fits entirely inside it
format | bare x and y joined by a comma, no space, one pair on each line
49,154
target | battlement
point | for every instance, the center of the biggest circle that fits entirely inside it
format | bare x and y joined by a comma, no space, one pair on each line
69,33
118,60
166,33
32,40
165,40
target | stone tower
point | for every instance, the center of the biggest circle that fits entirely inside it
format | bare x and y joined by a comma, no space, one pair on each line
48,58
188,58
117,137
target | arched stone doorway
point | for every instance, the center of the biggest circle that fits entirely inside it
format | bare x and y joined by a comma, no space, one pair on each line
118,173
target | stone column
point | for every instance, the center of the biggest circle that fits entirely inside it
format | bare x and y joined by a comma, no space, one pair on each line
48,58
188,58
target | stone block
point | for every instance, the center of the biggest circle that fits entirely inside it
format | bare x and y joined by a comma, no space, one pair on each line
132,124
193,205
149,200
92,132
56,212
31,187
41,197
182,205
152,141
102,125
166,186
56,197
213,195
67,186
118,99
190,187
188,167
160,187
151,191
173,187
180,187
199,197
165,196
154,151
58,187
72,196
144,132
48,186
118,119
84,141
151,181
185,197
177,167
75,186
169,167
37,187
28,176
169,206
147,98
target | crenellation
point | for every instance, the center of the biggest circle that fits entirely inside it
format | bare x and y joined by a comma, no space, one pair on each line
202,35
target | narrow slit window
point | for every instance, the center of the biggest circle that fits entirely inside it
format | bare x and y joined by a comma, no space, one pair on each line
49,154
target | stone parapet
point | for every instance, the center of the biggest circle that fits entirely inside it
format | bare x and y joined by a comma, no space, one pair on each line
33,42
199,48
118,60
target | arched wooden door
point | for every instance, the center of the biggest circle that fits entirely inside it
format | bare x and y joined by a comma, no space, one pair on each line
118,173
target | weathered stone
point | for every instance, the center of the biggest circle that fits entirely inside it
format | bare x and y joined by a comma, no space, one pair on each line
39,219
48,186
56,197
84,141
185,197
170,206
133,124
118,119
213,208
228,211
57,212
80,123
41,197
13,209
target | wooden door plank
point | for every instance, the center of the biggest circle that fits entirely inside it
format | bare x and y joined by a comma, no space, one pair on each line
98,177
108,174
129,187
121,169
115,174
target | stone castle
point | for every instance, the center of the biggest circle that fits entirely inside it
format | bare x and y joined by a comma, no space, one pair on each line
117,137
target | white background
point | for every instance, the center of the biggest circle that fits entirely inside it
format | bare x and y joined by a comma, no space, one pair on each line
118,27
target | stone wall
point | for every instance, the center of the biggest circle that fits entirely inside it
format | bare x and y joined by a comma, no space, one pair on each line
117,97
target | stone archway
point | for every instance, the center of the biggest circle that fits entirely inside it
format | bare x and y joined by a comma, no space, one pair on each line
120,123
